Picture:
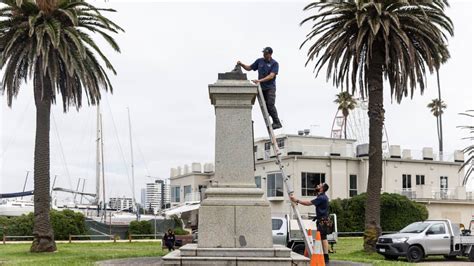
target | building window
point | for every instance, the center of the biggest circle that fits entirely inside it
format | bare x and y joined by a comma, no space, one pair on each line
275,185
267,146
281,143
175,194
258,181
187,193
309,181
420,180
443,183
352,185
406,182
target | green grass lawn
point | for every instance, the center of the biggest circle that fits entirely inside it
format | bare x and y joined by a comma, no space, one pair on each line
77,253
351,248
347,248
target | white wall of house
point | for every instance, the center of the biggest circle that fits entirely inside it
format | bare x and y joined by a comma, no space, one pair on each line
457,212
336,160
194,181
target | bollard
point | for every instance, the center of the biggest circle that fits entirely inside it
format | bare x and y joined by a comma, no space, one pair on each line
130,238
70,238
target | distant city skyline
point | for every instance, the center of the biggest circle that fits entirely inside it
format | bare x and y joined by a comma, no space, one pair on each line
171,51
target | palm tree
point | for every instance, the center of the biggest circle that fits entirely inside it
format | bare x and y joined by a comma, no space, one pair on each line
363,42
440,118
345,104
469,150
436,107
50,43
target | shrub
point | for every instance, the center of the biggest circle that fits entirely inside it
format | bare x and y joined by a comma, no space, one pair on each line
180,231
397,211
140,227
64,223
67,222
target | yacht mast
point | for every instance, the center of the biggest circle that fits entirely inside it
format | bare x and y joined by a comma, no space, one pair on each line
97,166
131,157
104,202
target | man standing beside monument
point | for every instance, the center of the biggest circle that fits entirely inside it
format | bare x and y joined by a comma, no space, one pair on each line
267,70
321,202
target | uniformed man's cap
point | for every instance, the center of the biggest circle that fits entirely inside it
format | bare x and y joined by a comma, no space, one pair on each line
268,50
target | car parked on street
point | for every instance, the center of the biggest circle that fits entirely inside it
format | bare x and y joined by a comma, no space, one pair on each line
427,238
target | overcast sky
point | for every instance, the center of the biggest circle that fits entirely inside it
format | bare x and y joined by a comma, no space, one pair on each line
171,51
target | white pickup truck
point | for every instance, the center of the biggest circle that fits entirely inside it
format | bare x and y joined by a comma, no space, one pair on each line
426,238
286,232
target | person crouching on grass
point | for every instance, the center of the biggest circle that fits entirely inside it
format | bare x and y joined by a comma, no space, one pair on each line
321,202
169,240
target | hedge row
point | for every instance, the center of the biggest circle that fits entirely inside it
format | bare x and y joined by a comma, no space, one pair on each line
64,223
146,227
397,211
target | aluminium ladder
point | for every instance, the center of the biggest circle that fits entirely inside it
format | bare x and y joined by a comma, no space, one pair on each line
286,178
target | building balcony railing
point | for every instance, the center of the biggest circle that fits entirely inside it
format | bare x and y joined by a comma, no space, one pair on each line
408,193
437,194
193,196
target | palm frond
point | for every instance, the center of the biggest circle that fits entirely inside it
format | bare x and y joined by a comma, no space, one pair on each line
47,43
412,36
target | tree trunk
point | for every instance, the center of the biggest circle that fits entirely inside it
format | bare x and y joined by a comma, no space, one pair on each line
440,118
42,231
376,121
46,6
345,127
438,128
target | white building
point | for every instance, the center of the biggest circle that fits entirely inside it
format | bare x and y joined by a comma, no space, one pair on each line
189,183
143,197
122,203
157,195
309,160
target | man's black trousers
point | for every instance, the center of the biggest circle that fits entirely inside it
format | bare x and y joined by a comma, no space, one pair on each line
270,95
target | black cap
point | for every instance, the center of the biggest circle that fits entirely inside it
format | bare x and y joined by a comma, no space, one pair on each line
268,50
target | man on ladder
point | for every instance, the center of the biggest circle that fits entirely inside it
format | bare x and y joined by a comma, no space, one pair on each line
321,202
267,75
267,70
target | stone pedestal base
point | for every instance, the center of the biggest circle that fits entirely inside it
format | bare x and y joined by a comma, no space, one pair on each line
235,218
277,255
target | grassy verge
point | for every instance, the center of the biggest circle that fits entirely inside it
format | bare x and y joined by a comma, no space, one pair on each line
77,253
351,249
347,248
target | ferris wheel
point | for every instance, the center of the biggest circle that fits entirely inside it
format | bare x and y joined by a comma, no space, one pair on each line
357,125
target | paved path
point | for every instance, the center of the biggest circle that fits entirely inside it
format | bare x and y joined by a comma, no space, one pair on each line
158,261
132,261
445,263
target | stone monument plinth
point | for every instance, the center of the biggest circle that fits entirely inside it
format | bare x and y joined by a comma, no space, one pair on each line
235,225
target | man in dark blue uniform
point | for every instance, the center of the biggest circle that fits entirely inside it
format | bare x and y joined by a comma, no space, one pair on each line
267,71
321,202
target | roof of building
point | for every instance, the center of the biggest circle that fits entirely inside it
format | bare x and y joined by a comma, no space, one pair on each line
192,174
359,159
189,206
306,137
